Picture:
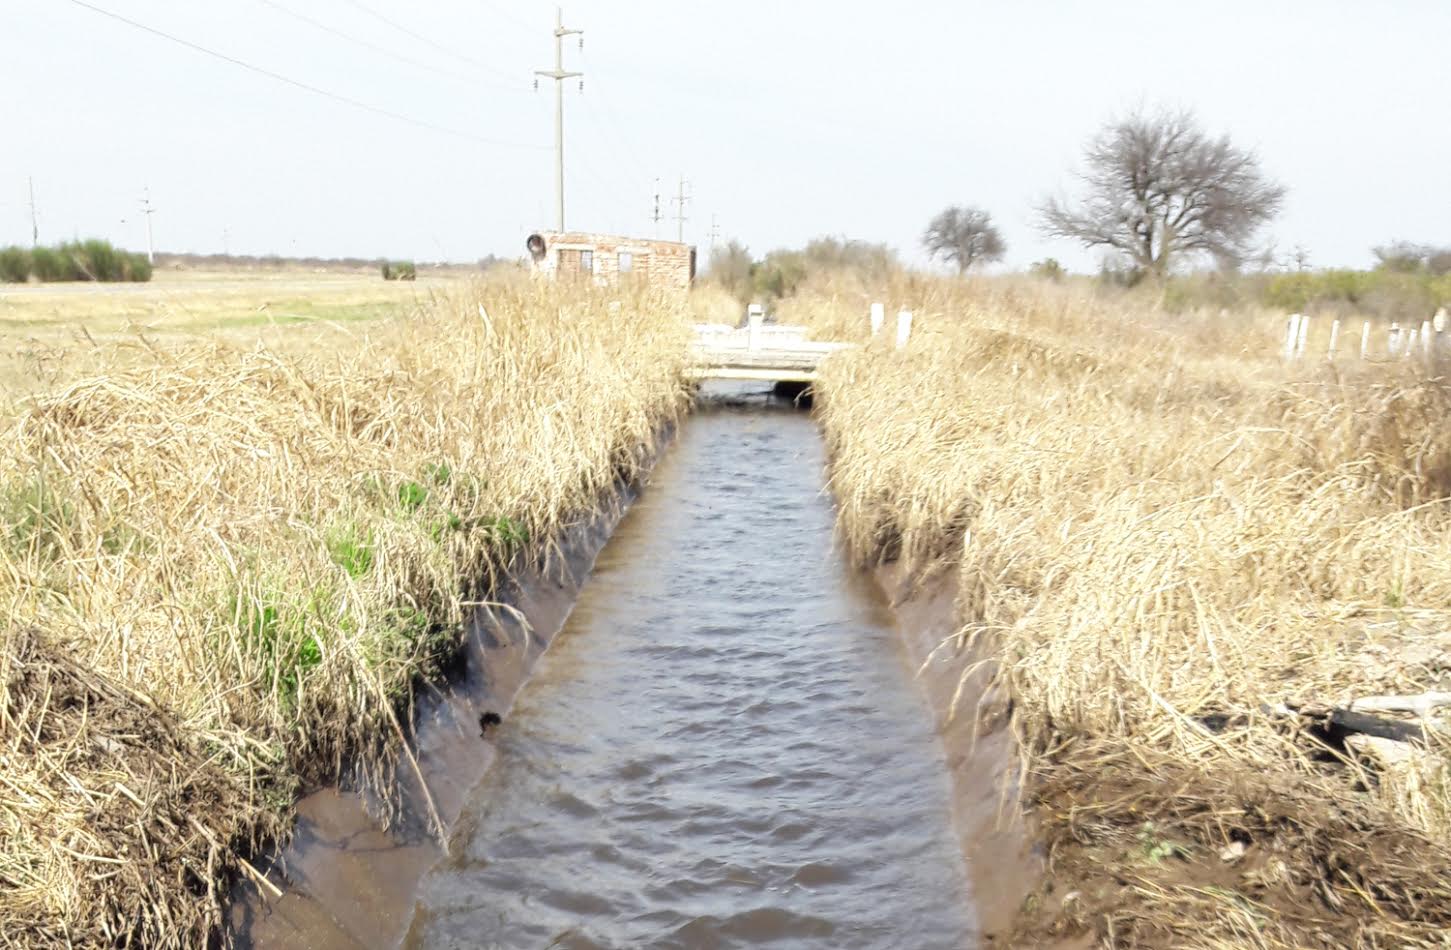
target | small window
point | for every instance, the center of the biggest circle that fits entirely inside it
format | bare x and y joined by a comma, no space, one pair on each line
587,262
627,262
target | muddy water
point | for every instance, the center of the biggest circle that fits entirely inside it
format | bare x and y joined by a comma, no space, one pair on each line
724,745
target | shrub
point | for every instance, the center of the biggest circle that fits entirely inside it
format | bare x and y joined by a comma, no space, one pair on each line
14,265
399,270
51,264
88,260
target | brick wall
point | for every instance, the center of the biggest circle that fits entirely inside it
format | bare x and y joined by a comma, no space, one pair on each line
604,257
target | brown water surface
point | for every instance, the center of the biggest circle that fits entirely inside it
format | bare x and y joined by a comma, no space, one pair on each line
723,747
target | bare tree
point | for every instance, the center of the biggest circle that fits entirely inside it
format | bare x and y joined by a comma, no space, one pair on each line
964,237
1159,189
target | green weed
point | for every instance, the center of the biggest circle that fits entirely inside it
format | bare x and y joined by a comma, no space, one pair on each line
351,549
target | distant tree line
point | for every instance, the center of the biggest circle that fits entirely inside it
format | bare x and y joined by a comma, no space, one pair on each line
779,273
72,261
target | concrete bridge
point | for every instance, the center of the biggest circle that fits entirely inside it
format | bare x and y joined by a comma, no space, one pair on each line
758,351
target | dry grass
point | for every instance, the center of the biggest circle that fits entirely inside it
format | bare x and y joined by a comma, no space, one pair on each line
51,333
1163,531
222,573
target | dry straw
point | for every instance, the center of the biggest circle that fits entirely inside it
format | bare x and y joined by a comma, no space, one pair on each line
1165,533
221,576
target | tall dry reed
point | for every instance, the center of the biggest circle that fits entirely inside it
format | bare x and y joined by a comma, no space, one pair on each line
1162,535
221,577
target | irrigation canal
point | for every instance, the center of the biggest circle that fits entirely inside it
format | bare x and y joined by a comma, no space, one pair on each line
723,746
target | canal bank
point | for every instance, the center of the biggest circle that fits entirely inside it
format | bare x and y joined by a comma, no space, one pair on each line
723,744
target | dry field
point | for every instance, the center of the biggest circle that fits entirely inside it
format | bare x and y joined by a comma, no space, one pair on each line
228,557
49,332
1180,557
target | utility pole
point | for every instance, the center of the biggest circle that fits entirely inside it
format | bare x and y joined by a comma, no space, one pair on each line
147,210
680,199
34,218
656,216
714,232
559,75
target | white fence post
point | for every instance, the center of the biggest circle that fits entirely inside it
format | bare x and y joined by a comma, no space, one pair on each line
1410,346
1426,337
1304,335
1365,340
1292,334
879,316
1393,340
1334,339
904,327
755,316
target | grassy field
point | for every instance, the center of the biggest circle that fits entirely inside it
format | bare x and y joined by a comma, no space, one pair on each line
1180,555
50,332
230,549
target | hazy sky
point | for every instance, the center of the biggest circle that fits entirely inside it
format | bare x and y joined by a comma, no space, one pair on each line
789,119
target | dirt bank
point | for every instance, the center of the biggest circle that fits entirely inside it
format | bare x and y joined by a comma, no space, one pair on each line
350,872
973,721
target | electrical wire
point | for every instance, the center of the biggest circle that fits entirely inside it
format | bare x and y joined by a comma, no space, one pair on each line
478,64
337,97
374,47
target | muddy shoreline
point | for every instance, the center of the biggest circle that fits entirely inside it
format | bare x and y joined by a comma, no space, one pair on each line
1004,864
347,878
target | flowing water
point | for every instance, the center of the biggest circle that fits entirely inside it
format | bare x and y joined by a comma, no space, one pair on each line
723,747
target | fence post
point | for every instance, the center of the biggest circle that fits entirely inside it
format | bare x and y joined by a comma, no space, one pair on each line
755,316
879,316
1393,340
1365,340
1334,339
1426,337
1292,333
1304,335
904,327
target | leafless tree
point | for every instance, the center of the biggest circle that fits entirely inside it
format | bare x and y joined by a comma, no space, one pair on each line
1158,189
964,237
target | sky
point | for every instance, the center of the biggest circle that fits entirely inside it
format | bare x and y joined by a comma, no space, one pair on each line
788,120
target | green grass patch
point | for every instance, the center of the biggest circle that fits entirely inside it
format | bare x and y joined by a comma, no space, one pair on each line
352,549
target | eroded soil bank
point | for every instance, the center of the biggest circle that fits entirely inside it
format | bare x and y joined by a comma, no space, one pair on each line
348,877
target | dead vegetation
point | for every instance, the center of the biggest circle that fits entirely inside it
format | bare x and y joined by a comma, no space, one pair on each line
222,574
1187,557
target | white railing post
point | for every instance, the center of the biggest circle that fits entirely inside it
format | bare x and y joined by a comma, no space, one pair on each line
1304,335
755,317
1334,339
1365,340
1393,340
1410,346
1292,335
879,316
904,327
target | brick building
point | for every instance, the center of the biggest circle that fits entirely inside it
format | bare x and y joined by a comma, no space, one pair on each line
607,258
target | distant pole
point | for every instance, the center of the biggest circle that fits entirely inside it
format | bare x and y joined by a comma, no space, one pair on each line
559,75
34,218
714,232
680,199
1365,339
147,210
656,216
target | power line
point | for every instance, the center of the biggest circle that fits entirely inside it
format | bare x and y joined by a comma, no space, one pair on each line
337,97
426,41
368,45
